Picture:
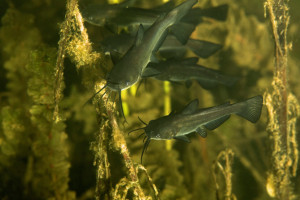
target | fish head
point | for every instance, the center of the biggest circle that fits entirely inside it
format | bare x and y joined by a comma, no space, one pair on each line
160,129
118,85
120,80
99,14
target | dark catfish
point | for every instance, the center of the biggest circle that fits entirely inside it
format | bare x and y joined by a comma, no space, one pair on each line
186,70
191,119
129,69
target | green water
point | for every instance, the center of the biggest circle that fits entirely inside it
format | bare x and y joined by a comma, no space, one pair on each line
41,159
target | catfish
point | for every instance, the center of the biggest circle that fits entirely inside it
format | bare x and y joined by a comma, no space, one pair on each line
124,14
118,45
117,15
191,119
128,70
99,14
186,70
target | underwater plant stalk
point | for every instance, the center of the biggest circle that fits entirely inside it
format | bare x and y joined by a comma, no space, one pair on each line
73,41
124,94
120,144
283,109
167,107
227,157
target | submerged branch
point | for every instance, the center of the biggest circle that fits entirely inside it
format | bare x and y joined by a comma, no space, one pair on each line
280,108
227,157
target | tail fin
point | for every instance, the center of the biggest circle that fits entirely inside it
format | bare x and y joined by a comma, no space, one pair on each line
195,15
182,31
175,15
202,48
218,12
252,109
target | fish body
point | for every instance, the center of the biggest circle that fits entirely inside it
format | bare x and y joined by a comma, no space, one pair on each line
128,70
186,70
171,47
192,119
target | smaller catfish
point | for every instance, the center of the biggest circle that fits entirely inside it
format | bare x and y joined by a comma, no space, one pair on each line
191,119
187,70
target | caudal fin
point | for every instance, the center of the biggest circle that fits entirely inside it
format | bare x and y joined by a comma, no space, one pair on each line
182,31
218,13
203,49
252,109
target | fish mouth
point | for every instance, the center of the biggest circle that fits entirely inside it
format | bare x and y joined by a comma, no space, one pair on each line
118,86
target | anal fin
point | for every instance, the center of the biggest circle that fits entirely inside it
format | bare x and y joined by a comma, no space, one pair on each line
216,123
201,131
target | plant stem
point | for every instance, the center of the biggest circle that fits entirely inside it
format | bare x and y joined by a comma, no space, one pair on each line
277,102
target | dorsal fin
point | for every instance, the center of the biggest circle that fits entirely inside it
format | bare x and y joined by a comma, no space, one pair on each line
191,107
139,35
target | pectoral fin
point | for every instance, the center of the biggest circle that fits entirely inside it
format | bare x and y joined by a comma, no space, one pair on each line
201,132
115,57
182,138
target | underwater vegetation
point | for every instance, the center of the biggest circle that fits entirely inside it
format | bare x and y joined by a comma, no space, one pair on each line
54,147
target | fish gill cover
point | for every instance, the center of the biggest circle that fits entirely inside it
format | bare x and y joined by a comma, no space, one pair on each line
53,147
